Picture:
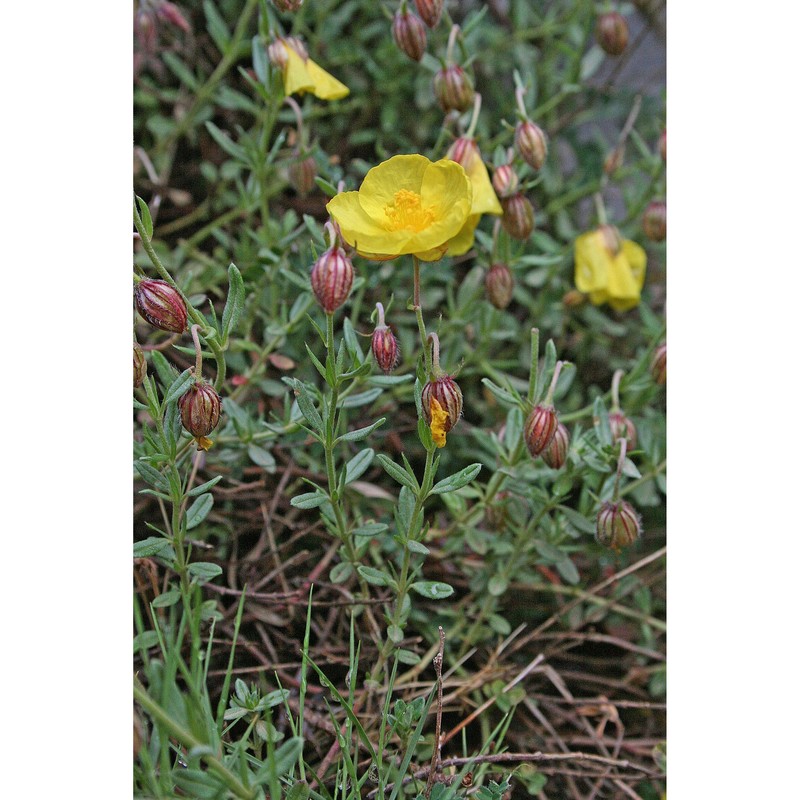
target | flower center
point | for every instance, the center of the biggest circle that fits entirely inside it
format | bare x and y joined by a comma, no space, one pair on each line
405,212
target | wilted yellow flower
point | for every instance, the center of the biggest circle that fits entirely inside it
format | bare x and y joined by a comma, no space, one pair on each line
465,151
438,423
405,205
609,269
204,443
301,74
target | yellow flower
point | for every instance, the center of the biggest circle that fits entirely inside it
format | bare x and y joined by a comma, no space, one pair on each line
405,205
301,74
438,421
465,151
609,269
204,443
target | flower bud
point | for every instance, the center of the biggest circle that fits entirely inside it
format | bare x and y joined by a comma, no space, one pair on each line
612,238
612,33
302,173
654,221
540,428
199,407
499,285
618,525
573,298
332,278
555,454
463,150
662,145
505,180
385,348
287,5
517,216
430,11
453,89
139,365
161,305
172,15
613,161
622,427
446,393
658,366
276,51
409,34
531,143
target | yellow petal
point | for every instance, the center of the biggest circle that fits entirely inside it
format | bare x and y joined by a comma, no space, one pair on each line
296,77
463,240
592,263
438,420
361,231
381,183
325,86
637,259
484,199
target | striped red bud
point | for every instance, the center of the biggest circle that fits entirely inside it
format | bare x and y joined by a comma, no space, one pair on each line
139,366
453,89
430,11
463,150
658,366
622,427
654,221
447,393
287,5
540,428
612,33
499,285
531,143
662,145
200,409
555,454
505,180
517,219
302,173
161,305
409,34
385,348
618,525
332,278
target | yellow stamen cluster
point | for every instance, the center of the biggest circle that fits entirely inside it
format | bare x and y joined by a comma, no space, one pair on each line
405,212
438,422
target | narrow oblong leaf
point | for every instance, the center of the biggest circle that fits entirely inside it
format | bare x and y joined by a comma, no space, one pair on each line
457,481
358,465
433,590
398,473
204,571
235,302
147,220
360,433
309,500
179,386
199,510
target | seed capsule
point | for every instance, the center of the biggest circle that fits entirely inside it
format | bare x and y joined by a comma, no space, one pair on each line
139,366
540,428
658,366
499,285
654,221
409,34
200,409
302,173
612,33
505,180
555,454
531,143
161,305
385,348
622,427
332,278
453,89
430,11
448,395
618,525
517,219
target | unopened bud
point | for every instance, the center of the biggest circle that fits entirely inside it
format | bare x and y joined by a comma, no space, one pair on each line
302,173
453,89
276,51
161,305
287,5
618,525
139,365
430,11
654,221
555,454
531,143
463,150
409,34
172,15
499,285
658,366
448,395
613,161
573,298
332,278
385,348
540,428
612,33
612,238
505,180
622,427
517,219
200,408
662,145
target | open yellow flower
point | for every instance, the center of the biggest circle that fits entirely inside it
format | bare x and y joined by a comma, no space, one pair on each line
301,74
609,269
465,151
406,205
438,422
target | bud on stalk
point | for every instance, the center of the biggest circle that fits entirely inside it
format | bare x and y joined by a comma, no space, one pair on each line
517,219
453,89
332,278
384,344
505,181
463,150
139,366
654,221
555,454
287,5
200,409
409,34
662,145
430,11
612,33
613,161
658,366
161,305
302,173
622,427
542,422
499,285
531,143
448,395
618,525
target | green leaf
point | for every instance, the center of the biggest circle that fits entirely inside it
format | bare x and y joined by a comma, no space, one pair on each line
216,26
204,487
568,571
166,599
370,529
417,547
501,394
358,465
433,590
204,571
457,481
258,455
151,475
179,69
326,187
305,404
179,386
360,433
285,759
601,424
199,510
260,60
151,546
234,303
147,220
407,657
398,473
375,576
309,500
497,585
226,143
577,520
361,399
145,640
341,572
